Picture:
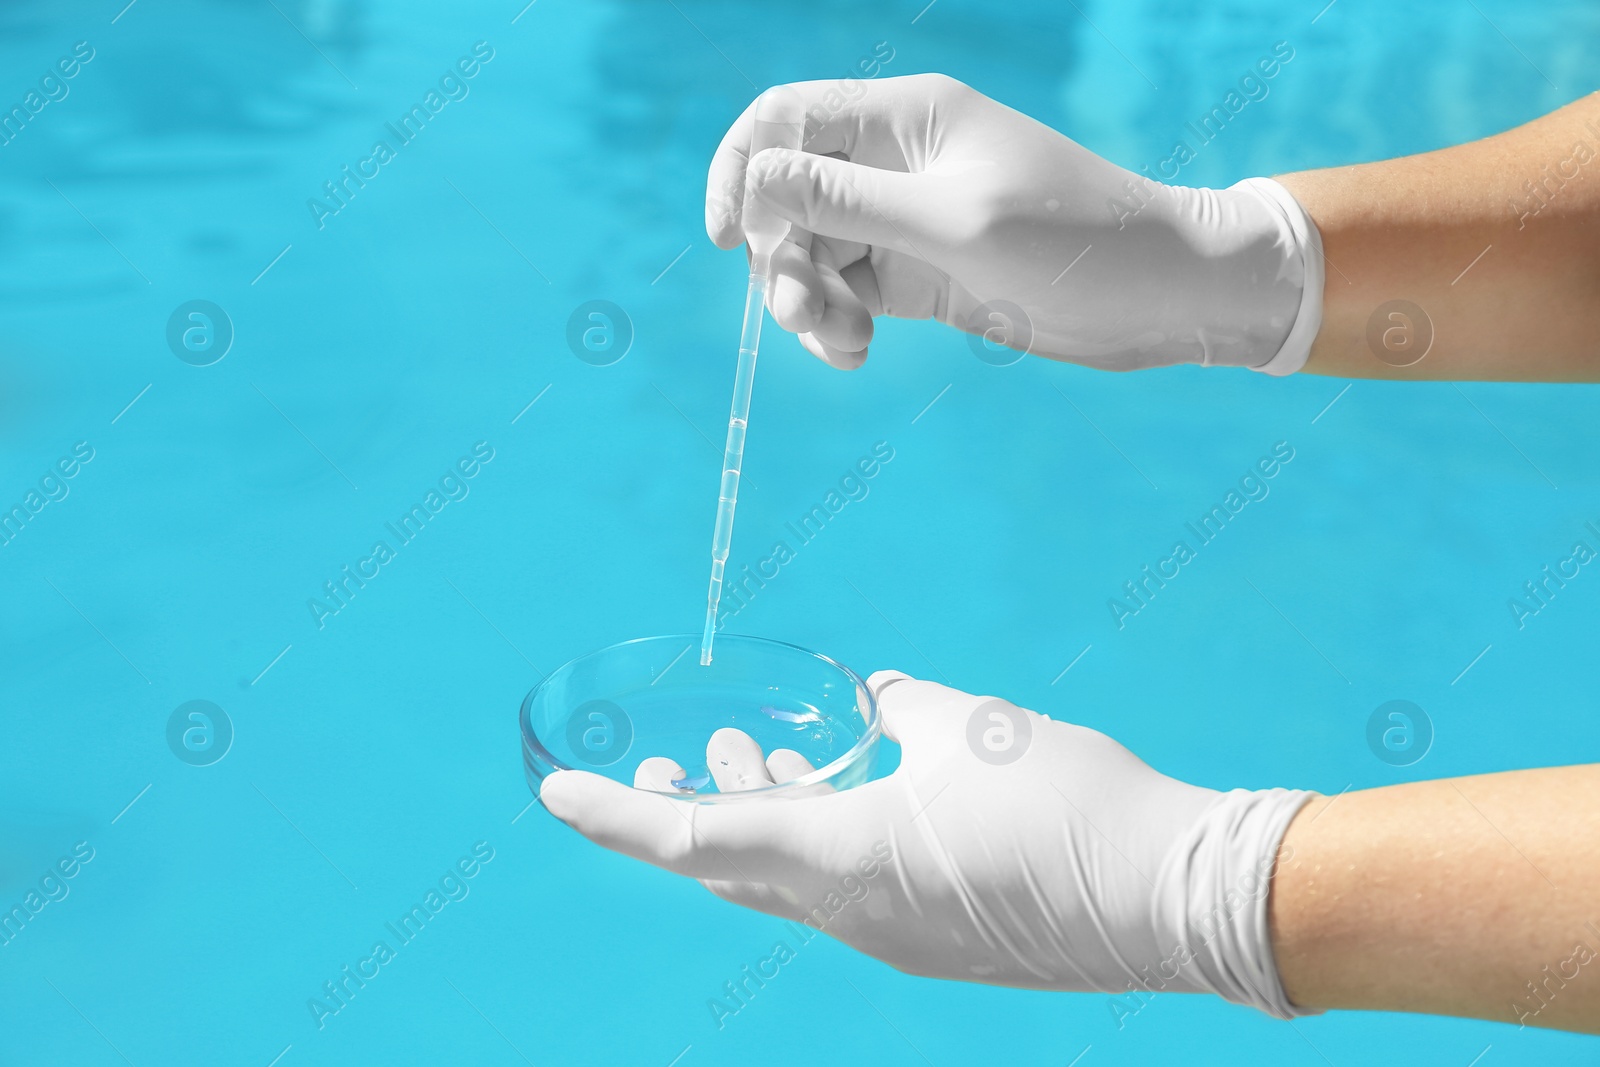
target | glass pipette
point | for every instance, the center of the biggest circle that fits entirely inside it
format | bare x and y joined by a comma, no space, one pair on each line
779,123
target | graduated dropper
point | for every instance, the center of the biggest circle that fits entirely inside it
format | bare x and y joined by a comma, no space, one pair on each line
779,123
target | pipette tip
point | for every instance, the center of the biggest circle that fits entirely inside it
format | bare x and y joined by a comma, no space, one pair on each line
706,637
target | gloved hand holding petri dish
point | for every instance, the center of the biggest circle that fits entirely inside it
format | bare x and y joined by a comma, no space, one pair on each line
1007,847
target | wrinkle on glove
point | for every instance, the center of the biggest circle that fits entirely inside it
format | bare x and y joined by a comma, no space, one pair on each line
1211,905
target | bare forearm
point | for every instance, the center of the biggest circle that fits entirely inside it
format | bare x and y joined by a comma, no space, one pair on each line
1497,242
1469,896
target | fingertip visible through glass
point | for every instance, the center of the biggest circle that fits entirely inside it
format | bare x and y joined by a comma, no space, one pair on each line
605,711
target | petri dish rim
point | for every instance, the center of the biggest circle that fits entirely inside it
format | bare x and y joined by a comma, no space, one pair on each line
869,738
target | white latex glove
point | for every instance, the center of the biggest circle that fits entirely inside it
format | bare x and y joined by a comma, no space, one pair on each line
922,198
1073,866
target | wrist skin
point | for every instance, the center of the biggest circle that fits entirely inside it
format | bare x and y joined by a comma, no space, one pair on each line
1469,897
1494,246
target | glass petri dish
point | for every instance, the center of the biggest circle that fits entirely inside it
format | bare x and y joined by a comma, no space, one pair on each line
608,711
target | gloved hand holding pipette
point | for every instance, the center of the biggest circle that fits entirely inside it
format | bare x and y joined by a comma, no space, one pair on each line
922,198
925,199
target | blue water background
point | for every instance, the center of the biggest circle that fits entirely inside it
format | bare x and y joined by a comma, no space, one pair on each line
373,752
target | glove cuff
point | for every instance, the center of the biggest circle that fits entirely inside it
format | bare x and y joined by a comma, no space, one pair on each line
1211,898
1299,232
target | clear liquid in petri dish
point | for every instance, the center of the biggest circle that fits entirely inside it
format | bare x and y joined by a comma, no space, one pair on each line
771,721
